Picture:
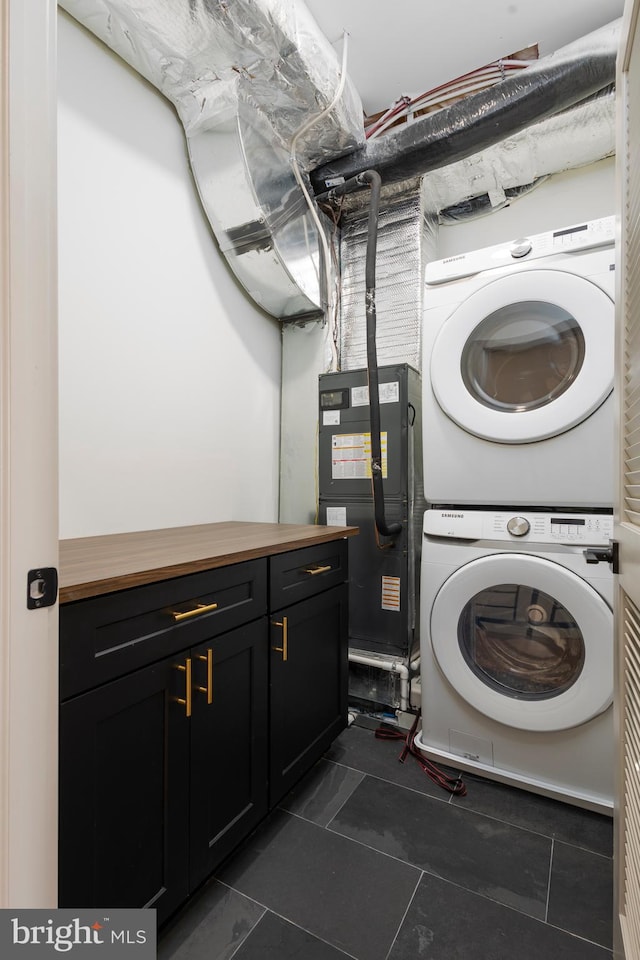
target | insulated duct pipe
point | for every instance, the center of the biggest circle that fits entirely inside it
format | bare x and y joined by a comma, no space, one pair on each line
548,86
372,179
244,77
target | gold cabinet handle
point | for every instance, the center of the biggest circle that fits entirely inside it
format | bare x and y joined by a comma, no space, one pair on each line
186,700
209,687
201,608
285,639
312,571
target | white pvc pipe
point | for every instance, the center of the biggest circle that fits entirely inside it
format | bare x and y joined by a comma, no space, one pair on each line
391,666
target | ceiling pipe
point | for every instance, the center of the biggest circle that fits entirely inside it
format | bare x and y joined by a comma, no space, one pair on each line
545,88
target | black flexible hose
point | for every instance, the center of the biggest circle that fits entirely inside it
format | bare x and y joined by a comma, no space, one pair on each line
384,528
372,179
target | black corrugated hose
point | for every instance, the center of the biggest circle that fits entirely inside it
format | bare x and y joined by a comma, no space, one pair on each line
372,179
384,528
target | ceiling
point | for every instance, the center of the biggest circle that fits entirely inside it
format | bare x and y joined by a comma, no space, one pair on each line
410,46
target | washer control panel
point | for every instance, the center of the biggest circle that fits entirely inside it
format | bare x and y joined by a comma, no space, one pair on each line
581,236
534,527
518,526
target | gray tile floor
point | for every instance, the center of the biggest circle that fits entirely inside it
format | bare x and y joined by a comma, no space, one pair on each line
370,860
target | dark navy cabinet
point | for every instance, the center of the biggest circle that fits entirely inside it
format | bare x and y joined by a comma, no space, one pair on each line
188,708
124,797
309,661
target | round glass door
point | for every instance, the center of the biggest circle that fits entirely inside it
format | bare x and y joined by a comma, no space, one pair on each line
525,641
521,642
526,357
523,356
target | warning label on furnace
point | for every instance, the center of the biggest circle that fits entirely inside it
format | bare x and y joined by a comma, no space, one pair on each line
351,455
391,593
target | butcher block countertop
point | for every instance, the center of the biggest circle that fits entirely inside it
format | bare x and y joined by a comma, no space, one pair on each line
92,566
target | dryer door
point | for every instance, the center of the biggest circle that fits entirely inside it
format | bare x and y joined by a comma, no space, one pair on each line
525,641
526,357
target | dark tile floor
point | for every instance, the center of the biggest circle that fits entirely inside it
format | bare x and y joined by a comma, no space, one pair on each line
368,859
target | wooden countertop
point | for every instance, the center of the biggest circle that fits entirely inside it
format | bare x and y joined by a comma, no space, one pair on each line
91,566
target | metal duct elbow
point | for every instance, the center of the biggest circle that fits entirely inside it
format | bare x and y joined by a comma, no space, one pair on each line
547,87
244,76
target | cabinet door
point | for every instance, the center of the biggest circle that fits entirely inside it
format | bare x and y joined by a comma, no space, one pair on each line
229,744
309,666
124,766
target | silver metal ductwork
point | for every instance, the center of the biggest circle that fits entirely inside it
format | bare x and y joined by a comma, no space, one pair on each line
245,77
259,214
407,236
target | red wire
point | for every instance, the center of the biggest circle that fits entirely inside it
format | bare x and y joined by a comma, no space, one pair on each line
454,785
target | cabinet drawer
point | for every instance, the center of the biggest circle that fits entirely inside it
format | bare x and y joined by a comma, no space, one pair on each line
105,637
299,574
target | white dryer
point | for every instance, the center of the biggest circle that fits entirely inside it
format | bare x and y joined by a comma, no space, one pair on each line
518,357
517,650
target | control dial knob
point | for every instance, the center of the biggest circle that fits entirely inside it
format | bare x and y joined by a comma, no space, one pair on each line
520,248
518,526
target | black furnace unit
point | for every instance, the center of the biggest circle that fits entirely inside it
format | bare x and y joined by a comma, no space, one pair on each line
383,572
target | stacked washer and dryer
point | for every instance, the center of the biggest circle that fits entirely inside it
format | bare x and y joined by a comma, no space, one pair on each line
516,591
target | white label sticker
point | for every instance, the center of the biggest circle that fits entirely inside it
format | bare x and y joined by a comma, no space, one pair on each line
336,516
331,418
388,393
391,593
351,455
360,396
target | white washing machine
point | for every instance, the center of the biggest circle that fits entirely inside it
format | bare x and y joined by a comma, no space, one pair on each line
517,649
518,357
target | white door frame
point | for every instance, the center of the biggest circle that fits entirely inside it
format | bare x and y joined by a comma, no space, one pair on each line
28,453
627,526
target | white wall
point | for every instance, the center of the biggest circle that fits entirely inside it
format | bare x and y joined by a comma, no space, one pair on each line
169,375
305,355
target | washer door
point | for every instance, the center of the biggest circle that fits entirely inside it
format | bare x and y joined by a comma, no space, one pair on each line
526,357
525,641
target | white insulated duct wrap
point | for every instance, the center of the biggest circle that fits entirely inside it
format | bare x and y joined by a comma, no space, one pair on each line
244,76
206,56
571,139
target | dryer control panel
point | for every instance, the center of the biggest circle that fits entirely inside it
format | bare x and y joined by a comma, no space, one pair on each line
580,236
515,525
